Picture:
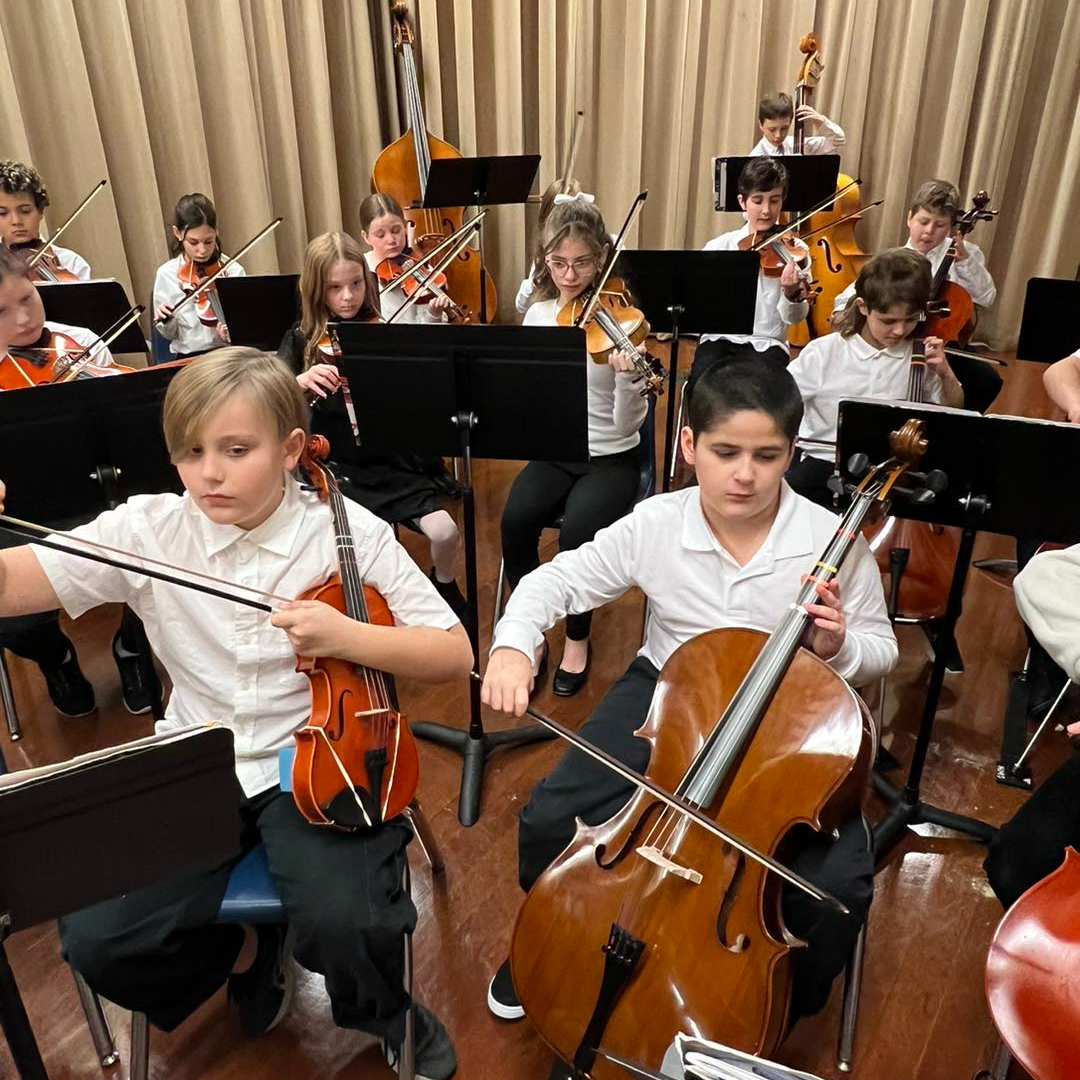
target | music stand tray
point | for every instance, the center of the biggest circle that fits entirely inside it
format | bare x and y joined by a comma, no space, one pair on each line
259,308
97,305
504,392
811,180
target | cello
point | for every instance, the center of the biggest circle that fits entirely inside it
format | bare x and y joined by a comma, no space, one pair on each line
644,925
356,763
401,170
1031,967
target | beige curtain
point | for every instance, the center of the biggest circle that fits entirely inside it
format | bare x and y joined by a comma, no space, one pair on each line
281,107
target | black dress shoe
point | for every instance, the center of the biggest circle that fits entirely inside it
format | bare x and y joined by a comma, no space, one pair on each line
568,683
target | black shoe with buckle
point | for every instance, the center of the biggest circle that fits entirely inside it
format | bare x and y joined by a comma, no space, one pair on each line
501,998
264,992
139,697
69,690
435,1057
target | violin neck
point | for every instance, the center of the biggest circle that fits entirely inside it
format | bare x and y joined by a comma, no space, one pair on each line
724,747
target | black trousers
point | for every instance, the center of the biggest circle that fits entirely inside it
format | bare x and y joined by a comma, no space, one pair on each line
581,787
158,950
1032,844
720,351
809,477
588,498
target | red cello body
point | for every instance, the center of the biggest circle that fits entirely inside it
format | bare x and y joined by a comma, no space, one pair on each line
1031,975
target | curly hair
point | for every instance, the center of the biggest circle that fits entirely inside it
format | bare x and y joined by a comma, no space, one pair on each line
15,178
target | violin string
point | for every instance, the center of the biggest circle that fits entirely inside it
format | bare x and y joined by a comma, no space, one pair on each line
30,526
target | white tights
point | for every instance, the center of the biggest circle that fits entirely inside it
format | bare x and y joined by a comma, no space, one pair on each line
442,533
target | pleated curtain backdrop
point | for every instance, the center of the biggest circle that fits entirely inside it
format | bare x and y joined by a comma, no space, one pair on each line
281,107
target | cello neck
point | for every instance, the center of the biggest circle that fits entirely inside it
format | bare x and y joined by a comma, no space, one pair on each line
723,749
917,370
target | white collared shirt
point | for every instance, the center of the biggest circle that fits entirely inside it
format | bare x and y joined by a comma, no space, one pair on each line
831,137
100,356
225,660
72,262
666,548
186,333
833,367
773,311
616,407
971,273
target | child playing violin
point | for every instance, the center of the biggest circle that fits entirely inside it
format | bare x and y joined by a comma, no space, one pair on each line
235,425
198,326
730,552
775,116
27,340
385,231
337,285
572,249
23,199
930,221
781,299
869,355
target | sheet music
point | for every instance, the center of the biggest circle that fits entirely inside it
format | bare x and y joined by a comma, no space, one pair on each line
22,777
714,1061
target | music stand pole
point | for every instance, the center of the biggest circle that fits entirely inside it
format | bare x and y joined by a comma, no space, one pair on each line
474,744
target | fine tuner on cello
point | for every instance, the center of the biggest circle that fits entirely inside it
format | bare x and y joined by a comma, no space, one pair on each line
645,926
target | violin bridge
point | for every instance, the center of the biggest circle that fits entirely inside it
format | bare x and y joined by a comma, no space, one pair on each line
654,855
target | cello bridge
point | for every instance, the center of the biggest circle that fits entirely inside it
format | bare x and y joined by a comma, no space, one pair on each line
654,855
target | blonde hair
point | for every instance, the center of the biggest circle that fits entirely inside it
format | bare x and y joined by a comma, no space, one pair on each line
208,380
567,221
322,254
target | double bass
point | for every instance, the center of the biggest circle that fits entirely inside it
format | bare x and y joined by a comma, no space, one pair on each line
645,925
835,255
401,170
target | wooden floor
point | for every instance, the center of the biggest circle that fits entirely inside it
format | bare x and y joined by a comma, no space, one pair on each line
923,1013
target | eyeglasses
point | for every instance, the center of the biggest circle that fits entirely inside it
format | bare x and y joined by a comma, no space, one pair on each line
579,266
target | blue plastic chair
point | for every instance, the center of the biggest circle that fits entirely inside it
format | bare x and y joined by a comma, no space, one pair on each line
252,900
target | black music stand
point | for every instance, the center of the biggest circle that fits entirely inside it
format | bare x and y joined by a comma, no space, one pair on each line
259,308
97,305
811,180
690,292
1044,335
481,181
503,392
993,488
121,822
95,442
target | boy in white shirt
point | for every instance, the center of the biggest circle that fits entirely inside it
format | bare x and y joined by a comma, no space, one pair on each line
775,115
23,199
868,356
235,424
781,300
1062,382
731,552
930,220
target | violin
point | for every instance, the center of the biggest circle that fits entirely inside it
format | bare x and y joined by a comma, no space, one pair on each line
951,311
356,763
777,251
645,925
1031,974
192,277
401,170
610,320
60,359
402,271
46,268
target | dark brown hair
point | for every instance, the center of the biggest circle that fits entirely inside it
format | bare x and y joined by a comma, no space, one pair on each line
762,174
938,197
575,220
15,178
896,276
375,206
775,107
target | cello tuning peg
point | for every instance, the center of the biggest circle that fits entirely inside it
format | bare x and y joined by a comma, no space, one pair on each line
936,481
922,496
858,465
